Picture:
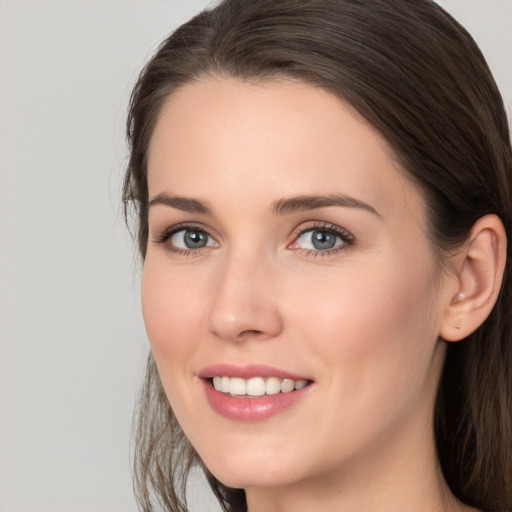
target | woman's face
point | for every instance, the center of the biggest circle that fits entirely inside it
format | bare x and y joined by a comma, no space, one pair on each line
287,259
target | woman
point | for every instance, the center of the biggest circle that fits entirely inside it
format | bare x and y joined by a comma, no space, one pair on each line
323,197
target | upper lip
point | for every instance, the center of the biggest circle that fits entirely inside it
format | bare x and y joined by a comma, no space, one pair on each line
247,371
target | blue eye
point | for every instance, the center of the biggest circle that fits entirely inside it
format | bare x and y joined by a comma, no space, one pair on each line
186,240
322,239
191,239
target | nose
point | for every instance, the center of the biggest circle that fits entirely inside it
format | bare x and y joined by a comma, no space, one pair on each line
244,303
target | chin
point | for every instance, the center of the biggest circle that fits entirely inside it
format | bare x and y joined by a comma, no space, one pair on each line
244,474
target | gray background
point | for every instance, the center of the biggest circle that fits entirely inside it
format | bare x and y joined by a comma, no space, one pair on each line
72,342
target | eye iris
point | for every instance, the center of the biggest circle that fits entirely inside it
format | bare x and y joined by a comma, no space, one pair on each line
195,239
323,240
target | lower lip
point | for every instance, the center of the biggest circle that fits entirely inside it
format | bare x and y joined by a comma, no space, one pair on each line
251,408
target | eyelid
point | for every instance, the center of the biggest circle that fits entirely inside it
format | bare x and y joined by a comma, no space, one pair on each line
165,236
347,238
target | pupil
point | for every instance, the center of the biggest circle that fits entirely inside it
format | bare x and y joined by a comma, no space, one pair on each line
195,239
323,240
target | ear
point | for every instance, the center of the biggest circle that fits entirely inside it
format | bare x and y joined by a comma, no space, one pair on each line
478,275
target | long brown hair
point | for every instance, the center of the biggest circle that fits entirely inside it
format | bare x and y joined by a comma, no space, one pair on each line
419,78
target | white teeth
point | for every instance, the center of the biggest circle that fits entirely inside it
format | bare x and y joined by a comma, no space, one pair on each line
256,386
301,384
237,386
273,386
287,385
225,385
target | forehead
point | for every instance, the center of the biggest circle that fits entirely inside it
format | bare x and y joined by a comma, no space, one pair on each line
267,139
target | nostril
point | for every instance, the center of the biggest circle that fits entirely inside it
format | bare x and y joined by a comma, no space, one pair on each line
251,332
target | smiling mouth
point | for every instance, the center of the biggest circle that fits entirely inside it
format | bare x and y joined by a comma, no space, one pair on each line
256,386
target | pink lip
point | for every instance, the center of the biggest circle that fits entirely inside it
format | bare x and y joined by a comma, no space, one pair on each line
247,372
245,408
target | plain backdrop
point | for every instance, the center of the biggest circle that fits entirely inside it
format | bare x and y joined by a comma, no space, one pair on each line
72,342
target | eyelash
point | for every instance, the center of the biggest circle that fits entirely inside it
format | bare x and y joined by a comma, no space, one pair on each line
346,237
170,232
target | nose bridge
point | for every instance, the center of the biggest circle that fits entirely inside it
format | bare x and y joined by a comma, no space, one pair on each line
243,303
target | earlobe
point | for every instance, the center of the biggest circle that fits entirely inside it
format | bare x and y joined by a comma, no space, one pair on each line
479,273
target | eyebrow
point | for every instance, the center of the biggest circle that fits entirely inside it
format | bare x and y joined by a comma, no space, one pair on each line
280,207
312,202
185,204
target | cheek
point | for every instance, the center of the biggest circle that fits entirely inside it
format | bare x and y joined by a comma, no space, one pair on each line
379,323
372,337
171,310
